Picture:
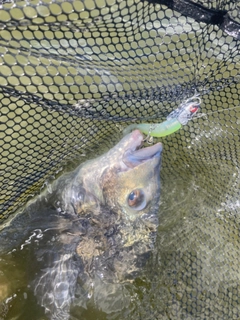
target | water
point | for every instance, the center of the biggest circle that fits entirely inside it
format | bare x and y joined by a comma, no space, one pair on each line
17,268
193,270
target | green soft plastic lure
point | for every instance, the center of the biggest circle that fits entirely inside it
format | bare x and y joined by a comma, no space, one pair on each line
174,122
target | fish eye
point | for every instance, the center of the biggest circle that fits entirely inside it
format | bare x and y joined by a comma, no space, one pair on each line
136,199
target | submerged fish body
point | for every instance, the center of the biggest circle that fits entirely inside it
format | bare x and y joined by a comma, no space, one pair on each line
100,225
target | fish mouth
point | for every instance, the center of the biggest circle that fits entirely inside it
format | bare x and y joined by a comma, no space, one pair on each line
135,155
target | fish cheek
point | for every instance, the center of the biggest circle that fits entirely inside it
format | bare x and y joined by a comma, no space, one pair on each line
109,186
117,187
141,182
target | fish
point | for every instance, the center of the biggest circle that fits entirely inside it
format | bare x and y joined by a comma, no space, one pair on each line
95,228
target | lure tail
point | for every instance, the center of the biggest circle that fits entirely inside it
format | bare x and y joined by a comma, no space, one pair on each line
174,122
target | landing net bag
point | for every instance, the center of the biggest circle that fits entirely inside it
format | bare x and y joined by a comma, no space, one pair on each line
73,74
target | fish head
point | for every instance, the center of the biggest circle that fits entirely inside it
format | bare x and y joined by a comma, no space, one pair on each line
125,181
131,183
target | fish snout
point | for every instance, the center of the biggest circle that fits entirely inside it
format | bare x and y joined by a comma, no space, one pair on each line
132,158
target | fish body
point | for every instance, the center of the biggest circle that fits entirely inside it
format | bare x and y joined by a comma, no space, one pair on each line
98,227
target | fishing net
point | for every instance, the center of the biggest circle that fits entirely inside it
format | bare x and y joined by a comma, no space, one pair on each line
73,74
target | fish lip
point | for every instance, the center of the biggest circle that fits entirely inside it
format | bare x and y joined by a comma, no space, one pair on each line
134,156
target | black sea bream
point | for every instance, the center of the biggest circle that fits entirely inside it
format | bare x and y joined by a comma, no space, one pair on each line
98,226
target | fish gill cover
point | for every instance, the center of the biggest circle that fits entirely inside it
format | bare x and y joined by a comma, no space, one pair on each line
74,73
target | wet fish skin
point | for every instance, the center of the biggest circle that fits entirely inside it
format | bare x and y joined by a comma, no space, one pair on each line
97,234
109,179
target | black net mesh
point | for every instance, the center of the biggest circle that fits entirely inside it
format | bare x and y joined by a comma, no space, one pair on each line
73,74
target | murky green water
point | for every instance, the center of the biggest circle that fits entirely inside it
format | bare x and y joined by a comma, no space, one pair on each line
194,270
186,265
